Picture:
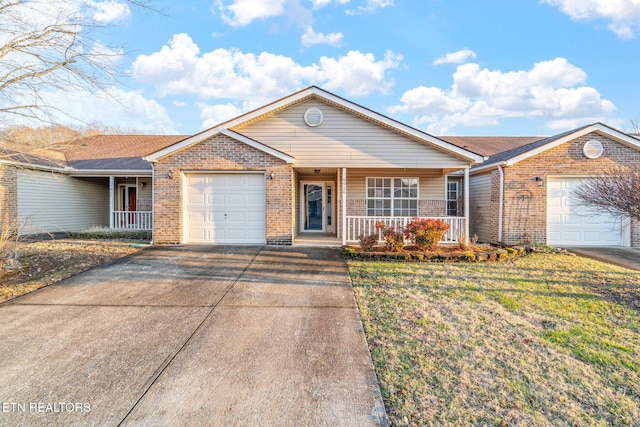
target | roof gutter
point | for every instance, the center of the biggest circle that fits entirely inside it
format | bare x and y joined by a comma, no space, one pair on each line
488,167
108,172
36,167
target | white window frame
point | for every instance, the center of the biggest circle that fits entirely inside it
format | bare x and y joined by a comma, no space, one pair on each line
456,199
392,198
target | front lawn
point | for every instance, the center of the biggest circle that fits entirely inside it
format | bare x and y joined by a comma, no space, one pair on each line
38,264
546,339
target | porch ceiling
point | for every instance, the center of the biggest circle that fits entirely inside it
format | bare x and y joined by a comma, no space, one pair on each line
312,171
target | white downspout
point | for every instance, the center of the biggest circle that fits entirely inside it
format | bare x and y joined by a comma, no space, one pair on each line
153,198
111,201
343,178
501,201
466,203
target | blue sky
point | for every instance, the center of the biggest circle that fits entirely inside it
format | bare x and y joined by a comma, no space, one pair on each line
450,67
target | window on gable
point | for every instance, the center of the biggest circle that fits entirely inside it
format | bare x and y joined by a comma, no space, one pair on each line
392,196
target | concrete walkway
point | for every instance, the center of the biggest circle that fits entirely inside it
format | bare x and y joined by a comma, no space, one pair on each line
192,336
618,255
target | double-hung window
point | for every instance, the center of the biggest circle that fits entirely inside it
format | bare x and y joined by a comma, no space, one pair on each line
392,196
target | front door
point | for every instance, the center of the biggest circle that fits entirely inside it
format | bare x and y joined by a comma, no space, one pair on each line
314,207
317,210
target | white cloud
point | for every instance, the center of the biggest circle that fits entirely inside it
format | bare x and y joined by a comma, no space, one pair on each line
242,12
318,4
455,57
624,15
213,115
310,38
109,12
116,107
180,68
371,6
551,90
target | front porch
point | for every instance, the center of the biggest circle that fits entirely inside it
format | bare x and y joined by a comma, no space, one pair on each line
130,203
338,205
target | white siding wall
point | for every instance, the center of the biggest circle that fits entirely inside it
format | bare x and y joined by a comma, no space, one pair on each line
343,140
51,203
480,206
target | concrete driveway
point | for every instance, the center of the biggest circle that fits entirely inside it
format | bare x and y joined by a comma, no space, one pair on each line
618,255
192,335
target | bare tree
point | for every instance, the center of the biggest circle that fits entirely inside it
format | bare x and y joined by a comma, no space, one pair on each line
52,46
616,191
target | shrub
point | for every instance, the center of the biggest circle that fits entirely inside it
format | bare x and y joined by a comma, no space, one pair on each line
425,233
394,240
367,242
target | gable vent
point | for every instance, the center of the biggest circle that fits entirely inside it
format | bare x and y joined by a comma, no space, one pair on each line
593,149
313,117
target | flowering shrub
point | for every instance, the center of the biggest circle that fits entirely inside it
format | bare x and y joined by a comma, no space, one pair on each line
425,233
367,242
393,240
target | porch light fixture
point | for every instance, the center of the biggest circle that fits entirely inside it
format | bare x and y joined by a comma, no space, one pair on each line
142,184
271,176
170,174
539,180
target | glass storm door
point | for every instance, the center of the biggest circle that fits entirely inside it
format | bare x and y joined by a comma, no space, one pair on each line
314,207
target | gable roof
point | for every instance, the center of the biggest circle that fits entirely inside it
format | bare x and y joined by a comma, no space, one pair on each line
117,152
231,134
518,154
490,145
314,92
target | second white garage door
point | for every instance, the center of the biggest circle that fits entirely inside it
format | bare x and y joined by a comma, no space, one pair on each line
225,208
569,224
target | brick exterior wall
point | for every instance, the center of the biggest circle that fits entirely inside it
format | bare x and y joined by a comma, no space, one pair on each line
221,153
8,193
494,219
525,202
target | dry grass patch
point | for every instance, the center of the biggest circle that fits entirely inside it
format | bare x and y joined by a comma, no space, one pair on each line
536,341
38,264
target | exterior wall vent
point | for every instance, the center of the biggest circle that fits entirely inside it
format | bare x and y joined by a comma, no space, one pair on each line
593,149
313,117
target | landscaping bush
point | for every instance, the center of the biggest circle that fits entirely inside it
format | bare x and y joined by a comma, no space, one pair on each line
393,240
107,234
367,242
425,233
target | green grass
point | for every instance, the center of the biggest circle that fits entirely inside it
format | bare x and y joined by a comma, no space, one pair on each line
542,340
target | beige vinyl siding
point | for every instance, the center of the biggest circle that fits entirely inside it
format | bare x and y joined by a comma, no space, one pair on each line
480,206
51,203
430,182
343,140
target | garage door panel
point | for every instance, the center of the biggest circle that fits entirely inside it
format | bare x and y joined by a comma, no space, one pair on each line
233,206
570,223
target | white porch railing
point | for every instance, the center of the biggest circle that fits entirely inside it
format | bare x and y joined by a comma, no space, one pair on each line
132,220
359,225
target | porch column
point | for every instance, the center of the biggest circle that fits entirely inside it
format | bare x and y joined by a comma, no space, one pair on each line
343,193
111,199
466,202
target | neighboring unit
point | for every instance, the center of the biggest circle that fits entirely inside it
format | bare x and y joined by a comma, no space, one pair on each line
525,194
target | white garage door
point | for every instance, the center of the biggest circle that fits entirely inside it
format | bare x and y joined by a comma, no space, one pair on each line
225,208
570,224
